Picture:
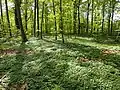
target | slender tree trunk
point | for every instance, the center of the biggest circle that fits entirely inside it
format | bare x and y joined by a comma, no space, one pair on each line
95,16
26,2
34,26
38,26
16,19
75,17
92,20
109,19
55,19
46,18
88,9
17,7
79,18
113,9
61,21
42,20
103,15
8,20
1,11
32,19
70,26
1,21
67,26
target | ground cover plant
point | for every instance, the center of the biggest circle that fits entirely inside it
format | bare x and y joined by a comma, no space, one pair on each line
51,65
59,44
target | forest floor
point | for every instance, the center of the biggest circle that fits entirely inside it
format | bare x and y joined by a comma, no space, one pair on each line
79,64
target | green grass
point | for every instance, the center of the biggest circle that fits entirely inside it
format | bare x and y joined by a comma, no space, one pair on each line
76,65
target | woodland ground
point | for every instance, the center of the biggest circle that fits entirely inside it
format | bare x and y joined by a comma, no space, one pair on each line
79,64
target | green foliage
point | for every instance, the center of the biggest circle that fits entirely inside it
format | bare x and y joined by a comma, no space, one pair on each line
57,66
91,76
67,16
78,64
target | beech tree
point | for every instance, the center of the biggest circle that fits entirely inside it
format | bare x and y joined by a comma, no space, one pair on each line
43,5
38,26
1,19
19,20
55,22
61,21
88,10
34,30
8,20
60,18
26,15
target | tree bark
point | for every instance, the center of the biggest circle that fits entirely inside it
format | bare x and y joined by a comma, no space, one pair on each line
46,18
18,13
109,19
79,18
61,21
113,9
92,20
38,26
75,18
26,15
42,20
34,26
55,22
88,9
8,20
103,15
1,20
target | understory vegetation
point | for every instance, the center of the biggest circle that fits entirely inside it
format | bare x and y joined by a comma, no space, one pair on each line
51,65
59,44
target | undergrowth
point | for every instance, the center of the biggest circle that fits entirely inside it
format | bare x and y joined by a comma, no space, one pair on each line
56,66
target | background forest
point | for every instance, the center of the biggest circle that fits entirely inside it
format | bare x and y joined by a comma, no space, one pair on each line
54,17
59,45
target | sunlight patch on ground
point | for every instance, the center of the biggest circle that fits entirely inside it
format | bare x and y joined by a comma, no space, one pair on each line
89,42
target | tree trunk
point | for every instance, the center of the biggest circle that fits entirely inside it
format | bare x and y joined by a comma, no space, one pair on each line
1,20
34,26
79,18
92,20
32,19
38,26
103,15
16,19
26,2
42,20
61,21
46,18
88,9
109,19
113,9
18,13
8,20
95,17
75,18
55,19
